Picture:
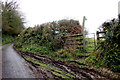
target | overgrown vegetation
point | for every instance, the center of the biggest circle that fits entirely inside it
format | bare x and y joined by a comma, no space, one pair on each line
53,40
108,50
49,39
7,39
12,21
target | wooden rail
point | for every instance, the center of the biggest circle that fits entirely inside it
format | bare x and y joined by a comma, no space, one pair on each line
74,40
98,35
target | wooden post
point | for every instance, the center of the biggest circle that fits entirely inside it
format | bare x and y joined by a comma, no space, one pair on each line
94,41
119,10
98,37
83,25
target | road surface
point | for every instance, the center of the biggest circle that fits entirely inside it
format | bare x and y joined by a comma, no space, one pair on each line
0,62
14,66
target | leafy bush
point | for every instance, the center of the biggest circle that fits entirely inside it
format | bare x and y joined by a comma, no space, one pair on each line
7,38
48,39
50,35
108,51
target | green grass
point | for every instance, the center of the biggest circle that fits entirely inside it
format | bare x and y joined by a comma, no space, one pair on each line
78,38
90,46
60,54
35,49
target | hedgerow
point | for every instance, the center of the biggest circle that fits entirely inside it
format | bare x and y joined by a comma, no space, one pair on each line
108,50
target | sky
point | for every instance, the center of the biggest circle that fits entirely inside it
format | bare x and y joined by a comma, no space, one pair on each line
42,11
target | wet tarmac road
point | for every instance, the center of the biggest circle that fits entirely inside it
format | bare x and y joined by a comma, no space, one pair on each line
0,62
13,65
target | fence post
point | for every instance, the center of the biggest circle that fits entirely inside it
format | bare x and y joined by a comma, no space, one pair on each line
97,35
84,18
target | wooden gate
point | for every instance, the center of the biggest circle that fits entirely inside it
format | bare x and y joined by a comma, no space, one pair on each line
74,42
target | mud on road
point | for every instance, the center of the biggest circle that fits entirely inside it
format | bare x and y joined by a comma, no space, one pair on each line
72,70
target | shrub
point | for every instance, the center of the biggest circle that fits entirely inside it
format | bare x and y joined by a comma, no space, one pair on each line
109,49
7,38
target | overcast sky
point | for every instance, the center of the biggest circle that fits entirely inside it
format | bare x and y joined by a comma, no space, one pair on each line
42,11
